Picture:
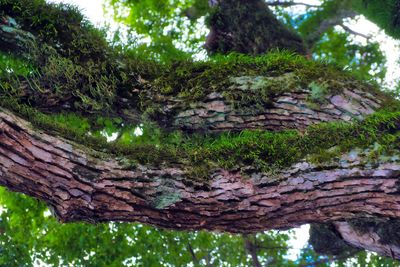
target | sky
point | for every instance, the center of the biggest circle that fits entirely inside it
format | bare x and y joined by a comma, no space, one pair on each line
93,10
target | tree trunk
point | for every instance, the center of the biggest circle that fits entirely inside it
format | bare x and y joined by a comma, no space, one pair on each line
248,27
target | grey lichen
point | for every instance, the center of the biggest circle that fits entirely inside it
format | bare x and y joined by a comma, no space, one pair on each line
167,194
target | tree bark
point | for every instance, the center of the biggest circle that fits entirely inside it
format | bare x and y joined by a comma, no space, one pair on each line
370,240
291,110
83,184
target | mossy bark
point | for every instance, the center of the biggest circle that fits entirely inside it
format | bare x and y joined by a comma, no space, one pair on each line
79,185
277,92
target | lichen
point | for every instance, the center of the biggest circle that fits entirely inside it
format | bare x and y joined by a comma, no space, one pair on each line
247,81
167,194
166,199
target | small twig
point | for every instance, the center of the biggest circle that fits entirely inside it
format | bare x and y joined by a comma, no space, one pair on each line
288,4
347,29
195,259
251,249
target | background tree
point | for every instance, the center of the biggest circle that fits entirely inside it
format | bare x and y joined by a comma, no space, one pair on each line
63,73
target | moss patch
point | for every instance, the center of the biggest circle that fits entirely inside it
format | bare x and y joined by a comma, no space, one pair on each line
75,67
265,151
247,80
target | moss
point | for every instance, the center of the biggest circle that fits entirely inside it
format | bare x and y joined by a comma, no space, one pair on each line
58,25
247,80
75,67
13,66
263,150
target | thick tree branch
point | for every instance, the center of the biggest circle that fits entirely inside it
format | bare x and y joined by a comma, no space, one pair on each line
82,184
287,111
328,23
370,239
88,185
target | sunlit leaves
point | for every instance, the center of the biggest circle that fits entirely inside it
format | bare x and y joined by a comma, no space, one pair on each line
366,61
164,30
30,235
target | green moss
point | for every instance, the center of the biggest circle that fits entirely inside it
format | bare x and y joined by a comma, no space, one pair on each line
246,80
75,67
59,25
263,150
14,66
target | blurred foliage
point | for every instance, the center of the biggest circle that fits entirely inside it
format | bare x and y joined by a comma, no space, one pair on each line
163,29
30,235
385,13
365,61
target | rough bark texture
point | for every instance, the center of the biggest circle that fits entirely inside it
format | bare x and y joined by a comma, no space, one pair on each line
80,184
369,240
293,110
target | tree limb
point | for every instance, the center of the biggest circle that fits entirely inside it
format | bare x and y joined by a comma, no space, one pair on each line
328,23
354,32
82,184
251,249
289,3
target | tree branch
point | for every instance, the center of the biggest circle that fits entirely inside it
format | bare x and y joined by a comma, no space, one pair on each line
328,23
81,184
354,32
193,254
289,3
252,250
